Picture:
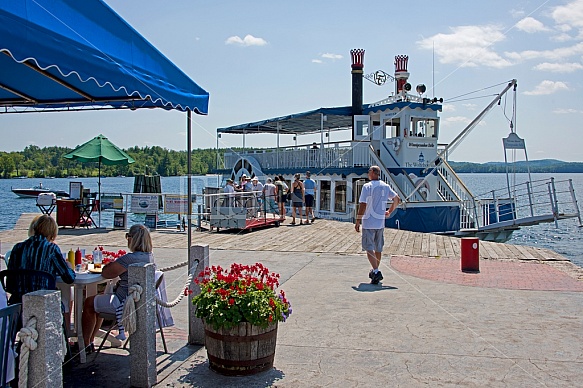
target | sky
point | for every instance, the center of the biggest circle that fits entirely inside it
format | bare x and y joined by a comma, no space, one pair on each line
263,58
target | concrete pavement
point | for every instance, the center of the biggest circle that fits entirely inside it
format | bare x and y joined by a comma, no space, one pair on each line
419,327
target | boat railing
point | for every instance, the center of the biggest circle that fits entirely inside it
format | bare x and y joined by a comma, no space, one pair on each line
528,203
385,176
332,155
451,188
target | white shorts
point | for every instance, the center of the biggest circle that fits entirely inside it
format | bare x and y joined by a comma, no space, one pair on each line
106,303
65,295
373,239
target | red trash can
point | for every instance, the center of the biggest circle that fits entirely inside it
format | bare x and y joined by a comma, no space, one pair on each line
470,254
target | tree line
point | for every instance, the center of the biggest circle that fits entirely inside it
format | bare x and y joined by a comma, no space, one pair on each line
36,162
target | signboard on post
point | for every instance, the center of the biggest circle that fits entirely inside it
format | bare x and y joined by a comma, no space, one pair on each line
176,204
75,190
143,203
111,201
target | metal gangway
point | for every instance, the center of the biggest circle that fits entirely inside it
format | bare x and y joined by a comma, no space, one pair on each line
530,203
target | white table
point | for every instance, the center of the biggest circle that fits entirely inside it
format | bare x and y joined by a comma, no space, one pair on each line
86,281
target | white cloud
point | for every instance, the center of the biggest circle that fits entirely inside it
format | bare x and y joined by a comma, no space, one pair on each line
317,61
332,56
562,37
558,67
530,25
456,119
562,111
448,108
470,106
248,40
553,55
547,87
570,14
468,46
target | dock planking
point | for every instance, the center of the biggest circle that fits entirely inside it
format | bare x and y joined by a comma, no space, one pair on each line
323,236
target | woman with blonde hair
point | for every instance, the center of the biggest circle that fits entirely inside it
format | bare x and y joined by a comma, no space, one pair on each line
140,245
39,252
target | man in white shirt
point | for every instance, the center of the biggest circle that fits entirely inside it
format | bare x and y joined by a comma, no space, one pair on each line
269,193
372,211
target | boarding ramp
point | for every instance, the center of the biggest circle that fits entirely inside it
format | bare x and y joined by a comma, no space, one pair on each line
530,203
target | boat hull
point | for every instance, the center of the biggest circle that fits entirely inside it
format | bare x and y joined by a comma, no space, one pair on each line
34,193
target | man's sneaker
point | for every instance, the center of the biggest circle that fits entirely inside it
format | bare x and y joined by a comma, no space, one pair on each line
371,274
377,278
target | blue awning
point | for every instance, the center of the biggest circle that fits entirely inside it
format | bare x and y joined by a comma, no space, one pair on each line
68,54
337,118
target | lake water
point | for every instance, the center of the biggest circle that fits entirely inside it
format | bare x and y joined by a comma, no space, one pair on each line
566,240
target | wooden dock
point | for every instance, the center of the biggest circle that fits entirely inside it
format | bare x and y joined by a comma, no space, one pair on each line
323,236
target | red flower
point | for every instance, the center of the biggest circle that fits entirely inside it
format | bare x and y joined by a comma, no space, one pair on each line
231,301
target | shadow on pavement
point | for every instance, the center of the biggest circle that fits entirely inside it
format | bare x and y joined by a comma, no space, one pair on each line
367,287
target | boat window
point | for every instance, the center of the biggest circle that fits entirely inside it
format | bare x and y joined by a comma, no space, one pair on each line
361,128
325,195
423,127
340,197
357,188
392,129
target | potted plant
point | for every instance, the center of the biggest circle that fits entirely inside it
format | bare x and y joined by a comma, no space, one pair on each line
240,308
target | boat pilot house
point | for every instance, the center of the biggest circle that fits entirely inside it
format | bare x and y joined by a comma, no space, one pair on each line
399,134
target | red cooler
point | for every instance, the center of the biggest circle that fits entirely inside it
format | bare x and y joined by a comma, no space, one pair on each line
470,254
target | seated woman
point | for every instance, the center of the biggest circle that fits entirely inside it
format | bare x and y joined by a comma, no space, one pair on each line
140,245
39,252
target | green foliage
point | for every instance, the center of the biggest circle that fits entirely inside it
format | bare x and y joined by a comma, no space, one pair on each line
49,161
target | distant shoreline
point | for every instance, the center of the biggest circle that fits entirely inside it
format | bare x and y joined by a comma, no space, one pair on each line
549,166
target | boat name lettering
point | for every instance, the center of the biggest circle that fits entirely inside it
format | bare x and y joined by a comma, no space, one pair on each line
416,164
420,145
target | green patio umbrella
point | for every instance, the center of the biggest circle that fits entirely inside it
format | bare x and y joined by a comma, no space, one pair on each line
101,150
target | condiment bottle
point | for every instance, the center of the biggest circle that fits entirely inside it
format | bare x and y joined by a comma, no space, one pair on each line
78,259
71,258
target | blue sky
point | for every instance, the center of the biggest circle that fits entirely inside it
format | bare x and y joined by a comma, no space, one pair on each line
261,59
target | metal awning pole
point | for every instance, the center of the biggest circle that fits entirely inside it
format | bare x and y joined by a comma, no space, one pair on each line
277,153
189,177
321,138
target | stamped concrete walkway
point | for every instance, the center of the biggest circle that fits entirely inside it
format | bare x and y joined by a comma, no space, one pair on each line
519,324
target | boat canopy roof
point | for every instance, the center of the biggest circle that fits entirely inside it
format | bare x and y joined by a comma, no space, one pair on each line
311,121
65,54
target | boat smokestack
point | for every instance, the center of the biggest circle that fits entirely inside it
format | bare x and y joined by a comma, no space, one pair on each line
357,73
401,74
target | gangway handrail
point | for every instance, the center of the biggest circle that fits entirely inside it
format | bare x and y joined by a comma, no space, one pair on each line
386,176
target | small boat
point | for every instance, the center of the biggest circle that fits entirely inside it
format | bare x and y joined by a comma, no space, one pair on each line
36,190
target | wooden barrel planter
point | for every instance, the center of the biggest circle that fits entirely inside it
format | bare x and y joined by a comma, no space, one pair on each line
242,350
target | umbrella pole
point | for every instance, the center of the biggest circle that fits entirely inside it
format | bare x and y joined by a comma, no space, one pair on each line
99,192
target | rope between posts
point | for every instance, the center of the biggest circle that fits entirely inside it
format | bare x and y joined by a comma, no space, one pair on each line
129,309
179,265
28,336
178,298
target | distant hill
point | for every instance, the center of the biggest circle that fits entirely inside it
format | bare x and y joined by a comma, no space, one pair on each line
543,165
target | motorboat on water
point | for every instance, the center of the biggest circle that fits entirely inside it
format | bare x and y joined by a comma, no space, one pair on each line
36,190
400,135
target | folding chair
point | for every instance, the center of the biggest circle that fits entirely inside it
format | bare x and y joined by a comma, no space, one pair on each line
108,316
9,319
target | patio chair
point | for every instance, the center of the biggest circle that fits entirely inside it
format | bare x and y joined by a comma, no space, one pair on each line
18,282
9,319
112,317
